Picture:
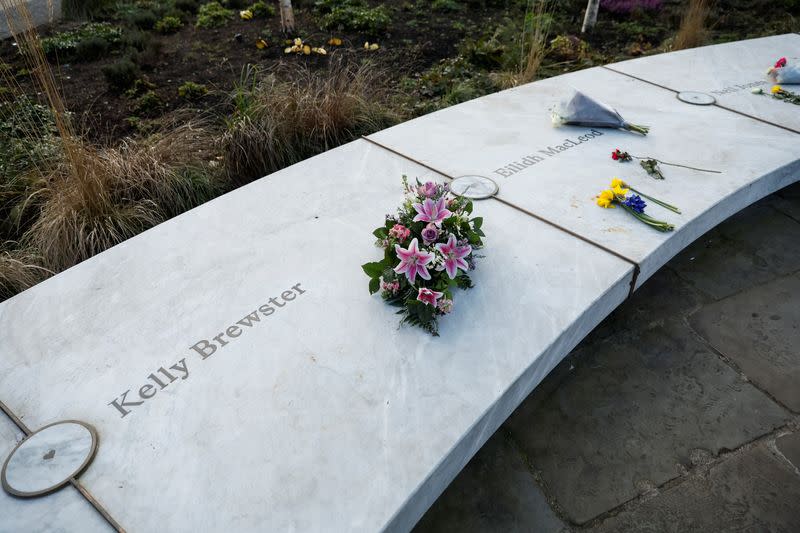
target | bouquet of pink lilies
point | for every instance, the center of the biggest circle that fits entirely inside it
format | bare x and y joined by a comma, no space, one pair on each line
428,250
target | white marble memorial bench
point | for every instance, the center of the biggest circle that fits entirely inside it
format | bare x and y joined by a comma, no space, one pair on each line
321,414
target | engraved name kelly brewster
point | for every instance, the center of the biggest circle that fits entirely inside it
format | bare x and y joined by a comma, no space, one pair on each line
162,378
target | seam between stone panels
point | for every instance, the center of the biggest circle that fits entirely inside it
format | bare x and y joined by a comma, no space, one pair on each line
17,422
636,268
74,482
720,106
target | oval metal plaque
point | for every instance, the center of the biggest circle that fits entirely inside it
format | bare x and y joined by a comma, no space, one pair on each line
475,187
696,98
46,460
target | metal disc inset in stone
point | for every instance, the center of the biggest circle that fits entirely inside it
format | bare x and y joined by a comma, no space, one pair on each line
696,98
49,458
475,187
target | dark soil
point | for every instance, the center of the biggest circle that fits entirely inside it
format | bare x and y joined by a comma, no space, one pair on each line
416,40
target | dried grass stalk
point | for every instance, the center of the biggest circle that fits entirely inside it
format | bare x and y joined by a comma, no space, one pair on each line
277,123
693,31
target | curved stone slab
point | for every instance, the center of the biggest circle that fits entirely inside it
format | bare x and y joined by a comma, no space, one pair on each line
314,411
728,72
500,134
323,416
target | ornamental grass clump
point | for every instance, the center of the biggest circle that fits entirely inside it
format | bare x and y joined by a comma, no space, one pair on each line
693,32
428,249
280,120
98,197
19,270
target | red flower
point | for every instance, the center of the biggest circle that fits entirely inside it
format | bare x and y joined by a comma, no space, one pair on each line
780,63
615,154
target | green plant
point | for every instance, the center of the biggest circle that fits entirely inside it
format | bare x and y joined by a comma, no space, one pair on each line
149,104
353,15
92,48
569,48
451,81
213,15
82,9
140,86
447,6
65,45
276,122
262,10
187,6
168,25
143,19
136,39
121,74
28,139
192,91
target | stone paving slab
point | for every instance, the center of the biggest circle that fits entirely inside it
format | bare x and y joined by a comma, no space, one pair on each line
752,247
788,201
753,491
495,492
637,410
63,511
759,330
728,72
789,446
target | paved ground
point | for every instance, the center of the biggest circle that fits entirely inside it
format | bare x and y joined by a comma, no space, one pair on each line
680,412
41,11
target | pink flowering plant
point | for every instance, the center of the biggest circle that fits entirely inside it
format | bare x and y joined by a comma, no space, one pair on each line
428,250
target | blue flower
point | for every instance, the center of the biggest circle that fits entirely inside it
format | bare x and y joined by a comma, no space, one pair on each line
636,203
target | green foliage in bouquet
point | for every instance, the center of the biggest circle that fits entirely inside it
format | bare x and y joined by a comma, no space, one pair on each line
428,251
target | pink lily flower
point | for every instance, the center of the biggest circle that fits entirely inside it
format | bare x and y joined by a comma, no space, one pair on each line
413,261
430,211
454,256
429,297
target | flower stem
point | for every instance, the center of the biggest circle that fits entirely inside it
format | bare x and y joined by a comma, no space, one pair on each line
677,165
637,128
660,225
665,205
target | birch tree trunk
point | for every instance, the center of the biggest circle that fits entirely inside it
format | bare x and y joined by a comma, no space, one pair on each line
287,16
591,15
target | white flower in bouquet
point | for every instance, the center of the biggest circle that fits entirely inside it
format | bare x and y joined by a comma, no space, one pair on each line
782,72
581,110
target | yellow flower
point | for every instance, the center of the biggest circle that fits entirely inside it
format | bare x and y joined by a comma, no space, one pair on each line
374,46
616,182
298,41
287,50
246,14
776,89
306,49
606,199
619,191
261,44
335,41
319,50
